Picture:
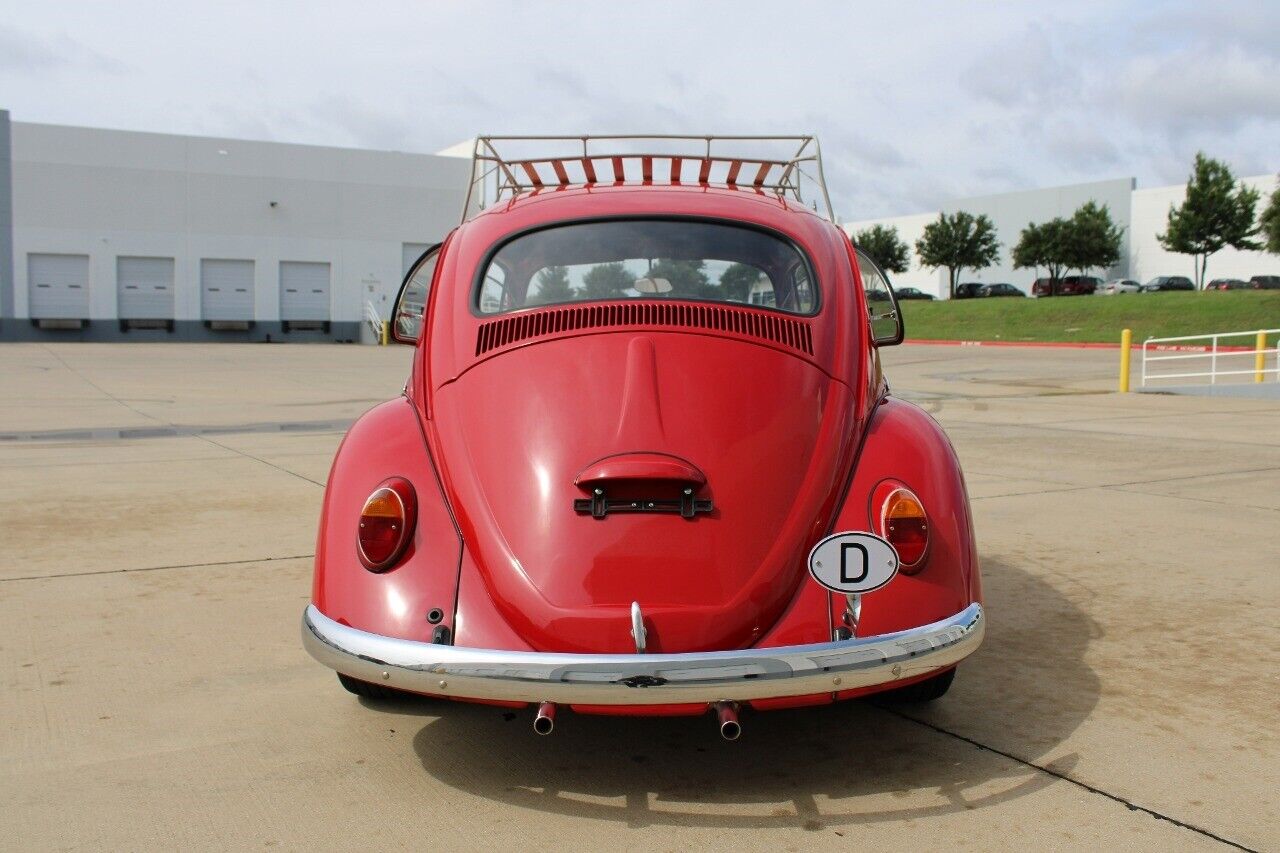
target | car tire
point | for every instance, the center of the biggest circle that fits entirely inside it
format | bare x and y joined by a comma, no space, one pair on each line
922,691
373,691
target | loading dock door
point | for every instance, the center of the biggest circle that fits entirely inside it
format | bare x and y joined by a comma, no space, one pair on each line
145,288
58,286
226,290
304,292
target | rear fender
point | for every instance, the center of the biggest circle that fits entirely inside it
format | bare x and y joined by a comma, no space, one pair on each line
386,441
903,443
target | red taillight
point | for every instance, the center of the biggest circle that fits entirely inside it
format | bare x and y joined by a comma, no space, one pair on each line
902,521
386,524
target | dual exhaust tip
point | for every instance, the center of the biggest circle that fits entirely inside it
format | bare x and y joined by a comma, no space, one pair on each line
544,722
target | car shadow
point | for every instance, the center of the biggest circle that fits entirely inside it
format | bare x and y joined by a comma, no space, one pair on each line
1022,694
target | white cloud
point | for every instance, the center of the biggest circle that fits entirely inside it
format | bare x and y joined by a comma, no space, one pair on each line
1187,90
25,54
915,103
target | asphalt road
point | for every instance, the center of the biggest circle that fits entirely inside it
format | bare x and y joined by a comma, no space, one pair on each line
157,517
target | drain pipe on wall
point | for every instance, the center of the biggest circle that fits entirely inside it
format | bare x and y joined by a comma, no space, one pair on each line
6,218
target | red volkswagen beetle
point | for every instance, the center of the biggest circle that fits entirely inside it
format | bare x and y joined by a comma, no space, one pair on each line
646,461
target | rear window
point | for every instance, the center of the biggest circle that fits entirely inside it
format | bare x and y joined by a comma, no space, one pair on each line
647,259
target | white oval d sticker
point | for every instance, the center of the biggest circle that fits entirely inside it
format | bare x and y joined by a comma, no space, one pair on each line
853,562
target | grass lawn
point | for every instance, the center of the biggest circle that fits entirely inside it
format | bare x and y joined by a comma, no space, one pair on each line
1094,318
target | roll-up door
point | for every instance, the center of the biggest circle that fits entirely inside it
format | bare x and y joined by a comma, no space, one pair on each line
226,290
145,288
58,286
304,293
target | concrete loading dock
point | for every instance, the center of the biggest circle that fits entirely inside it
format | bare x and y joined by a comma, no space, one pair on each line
159,506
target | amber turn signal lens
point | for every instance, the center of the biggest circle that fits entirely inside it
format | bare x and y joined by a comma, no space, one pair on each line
386,524
903,522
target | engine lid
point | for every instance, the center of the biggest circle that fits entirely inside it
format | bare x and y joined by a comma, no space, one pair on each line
742,448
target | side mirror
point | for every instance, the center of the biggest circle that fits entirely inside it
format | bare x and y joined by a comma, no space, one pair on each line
411,303
882,304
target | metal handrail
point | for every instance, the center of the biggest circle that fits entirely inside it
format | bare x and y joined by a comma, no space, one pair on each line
1214,351
374,319
1210,335
514,176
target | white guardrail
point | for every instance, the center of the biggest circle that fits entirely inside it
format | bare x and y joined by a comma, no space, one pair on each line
1248,357
375,321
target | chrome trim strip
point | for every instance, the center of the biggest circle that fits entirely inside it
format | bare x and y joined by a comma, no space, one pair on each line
650,679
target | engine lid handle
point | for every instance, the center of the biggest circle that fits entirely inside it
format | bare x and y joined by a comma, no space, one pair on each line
639,467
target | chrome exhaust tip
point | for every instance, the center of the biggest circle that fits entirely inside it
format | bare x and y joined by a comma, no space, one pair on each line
545,721
730,728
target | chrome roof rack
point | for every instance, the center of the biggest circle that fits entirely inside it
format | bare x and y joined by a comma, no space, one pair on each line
786,166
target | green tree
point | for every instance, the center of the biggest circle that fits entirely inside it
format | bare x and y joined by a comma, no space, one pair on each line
885,247
553,286
1216,213
736,281
1091,239
1270,222
957,242
1033,249
607,281
687,278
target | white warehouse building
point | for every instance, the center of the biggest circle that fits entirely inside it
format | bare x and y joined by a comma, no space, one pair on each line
119,235
1141,213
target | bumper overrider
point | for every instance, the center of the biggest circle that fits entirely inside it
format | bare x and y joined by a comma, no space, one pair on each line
648,679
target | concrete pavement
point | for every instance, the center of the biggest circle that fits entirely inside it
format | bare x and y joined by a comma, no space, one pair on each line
158,508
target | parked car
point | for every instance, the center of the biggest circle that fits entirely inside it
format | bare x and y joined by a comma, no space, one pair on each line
1265,282
1168,282
1227,284
1119,285
574,503
969,289
911,293
1071,285
1000,289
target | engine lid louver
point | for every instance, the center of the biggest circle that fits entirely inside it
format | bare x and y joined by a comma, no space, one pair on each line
761,325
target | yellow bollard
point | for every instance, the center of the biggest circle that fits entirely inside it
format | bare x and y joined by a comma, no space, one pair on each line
386,331
1260,358
1126,342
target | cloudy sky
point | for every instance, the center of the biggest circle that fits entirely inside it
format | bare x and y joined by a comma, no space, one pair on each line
915,103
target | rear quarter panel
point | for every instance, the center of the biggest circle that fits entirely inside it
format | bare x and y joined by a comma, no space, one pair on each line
386,442
905,444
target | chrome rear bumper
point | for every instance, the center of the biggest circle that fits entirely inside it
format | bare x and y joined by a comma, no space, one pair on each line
656,679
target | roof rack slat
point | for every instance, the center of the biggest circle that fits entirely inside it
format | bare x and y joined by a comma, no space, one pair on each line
561,175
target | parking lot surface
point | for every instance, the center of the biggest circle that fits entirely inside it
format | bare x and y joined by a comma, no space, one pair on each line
157,513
